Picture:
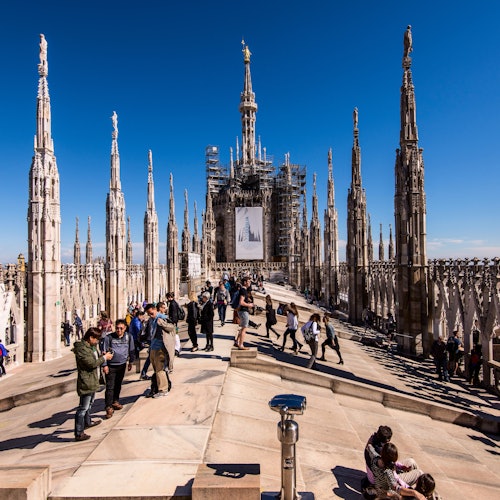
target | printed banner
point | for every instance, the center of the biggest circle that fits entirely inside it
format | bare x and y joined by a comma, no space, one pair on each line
249,244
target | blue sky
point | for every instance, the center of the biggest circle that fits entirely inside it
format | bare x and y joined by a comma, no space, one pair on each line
173,72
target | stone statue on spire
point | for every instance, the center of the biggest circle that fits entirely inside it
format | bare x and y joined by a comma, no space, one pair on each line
43,67
355,117
408,44
114,119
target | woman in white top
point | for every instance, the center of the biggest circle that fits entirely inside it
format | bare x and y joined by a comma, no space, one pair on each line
292,323
311,335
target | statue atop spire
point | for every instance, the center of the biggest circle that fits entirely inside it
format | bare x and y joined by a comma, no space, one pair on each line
408,48
408,44
114,120
246,52
355,118
43,67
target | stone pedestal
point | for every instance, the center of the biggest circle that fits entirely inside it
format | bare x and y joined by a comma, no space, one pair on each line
227,482
243,356
25,483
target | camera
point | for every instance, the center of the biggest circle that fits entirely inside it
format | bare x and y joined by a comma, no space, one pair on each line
111,351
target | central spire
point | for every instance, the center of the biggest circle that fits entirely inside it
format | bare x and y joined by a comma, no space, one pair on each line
248,110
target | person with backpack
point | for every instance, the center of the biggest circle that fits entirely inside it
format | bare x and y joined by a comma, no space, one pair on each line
121,344
67,330
452,346
270,317
310,331
440,355
221,299
78,324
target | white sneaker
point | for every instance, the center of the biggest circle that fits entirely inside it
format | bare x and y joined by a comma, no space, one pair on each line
160,394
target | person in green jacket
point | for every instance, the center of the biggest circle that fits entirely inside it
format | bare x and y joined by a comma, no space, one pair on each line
88,361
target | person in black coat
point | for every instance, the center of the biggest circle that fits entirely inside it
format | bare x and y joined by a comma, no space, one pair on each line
270,317
207,320
193,313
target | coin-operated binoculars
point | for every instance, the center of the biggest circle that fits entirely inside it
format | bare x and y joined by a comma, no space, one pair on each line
288,433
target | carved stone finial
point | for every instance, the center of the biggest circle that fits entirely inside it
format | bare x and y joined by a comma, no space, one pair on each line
355,117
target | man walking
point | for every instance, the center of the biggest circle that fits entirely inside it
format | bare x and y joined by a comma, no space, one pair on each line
78,324
162,349
87,363
122,344
331,341
440,355
174,315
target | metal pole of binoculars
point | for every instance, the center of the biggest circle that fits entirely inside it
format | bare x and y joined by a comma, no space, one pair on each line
288,434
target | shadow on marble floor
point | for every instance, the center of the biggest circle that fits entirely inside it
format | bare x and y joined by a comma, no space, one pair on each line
33,440
349,482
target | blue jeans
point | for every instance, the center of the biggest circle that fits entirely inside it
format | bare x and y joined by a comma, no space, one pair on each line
82,415
145,368
442,368
221,308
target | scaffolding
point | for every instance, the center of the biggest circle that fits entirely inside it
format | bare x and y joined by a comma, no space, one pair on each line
217,176
290,185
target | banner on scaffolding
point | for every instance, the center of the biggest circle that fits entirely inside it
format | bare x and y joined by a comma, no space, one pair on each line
249,244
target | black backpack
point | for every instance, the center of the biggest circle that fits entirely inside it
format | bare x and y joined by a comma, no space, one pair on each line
181,314
451,345
236,300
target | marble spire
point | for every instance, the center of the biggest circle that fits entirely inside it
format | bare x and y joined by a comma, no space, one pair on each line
248,110
410,217
196,239
151,240
172,245
44,227
88,248
116,243
77,258
186,236
357,248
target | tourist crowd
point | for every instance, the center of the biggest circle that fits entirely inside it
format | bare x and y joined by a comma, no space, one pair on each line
106,352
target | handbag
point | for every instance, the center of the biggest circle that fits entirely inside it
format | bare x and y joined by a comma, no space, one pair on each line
308,334
236,318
